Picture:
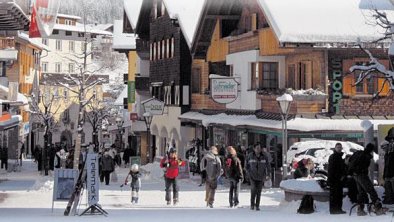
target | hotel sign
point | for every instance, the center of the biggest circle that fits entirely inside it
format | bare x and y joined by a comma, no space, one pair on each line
224,90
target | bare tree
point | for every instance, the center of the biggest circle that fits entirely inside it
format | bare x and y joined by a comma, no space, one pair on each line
44,114
95,115
373,68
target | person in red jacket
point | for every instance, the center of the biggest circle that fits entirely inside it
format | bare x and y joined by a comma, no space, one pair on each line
171,164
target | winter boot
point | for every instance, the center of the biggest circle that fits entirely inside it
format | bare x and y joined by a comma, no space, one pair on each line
175,202
378,209
360,210
169,202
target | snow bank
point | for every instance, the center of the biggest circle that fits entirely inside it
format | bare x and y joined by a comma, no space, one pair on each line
302,184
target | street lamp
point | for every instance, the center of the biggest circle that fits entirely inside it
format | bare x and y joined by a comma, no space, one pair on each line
148,120
284,102
119,122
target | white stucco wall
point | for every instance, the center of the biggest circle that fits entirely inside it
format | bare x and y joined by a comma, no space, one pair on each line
169,126
241,63
64,56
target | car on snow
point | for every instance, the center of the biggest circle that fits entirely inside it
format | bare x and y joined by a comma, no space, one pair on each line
319,151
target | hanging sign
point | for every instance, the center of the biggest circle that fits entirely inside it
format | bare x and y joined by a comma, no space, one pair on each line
223,89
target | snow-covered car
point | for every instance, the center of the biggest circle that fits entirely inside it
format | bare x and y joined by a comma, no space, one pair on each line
312,147
320,151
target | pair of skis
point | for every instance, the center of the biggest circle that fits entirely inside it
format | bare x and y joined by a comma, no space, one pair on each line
78,189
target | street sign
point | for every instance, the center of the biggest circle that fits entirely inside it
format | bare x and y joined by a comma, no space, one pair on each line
153,106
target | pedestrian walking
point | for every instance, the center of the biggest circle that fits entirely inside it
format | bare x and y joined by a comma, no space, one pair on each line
259,170
235,175
135,183
171,165
213,167
107,167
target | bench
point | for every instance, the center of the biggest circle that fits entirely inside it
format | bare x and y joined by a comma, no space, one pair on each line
290,195
295,189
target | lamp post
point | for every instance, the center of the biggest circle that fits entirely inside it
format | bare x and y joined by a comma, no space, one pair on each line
284,102
148,120
119,122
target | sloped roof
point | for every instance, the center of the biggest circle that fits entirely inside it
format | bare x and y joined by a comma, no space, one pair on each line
132,9
79,27
323,21
188,14
122,40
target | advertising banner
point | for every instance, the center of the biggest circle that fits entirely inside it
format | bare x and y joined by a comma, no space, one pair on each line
92,179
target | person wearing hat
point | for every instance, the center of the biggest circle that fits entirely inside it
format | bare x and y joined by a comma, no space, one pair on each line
212,165
135,183
171,164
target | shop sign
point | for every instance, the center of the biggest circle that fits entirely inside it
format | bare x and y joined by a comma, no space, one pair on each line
224,90
336,84
154,106
92,178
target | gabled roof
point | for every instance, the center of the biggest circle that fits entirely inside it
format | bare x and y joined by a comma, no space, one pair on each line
188,13
122,40
132,9
323,21
229,10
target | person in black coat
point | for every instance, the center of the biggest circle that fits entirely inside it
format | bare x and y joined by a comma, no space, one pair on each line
358,167
336,175
388,173
235,175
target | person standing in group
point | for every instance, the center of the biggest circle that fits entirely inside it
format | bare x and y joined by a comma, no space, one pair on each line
259,169
336,176
358,167
212,165
234,174
171,164
135,183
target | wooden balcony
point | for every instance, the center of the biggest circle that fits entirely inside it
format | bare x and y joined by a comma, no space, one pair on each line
302,104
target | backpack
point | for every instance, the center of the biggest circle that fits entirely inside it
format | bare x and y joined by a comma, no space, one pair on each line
307,205
354,165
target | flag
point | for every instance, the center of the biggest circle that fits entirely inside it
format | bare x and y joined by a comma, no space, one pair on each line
33,29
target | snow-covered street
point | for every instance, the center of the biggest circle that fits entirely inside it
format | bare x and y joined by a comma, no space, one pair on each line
27,196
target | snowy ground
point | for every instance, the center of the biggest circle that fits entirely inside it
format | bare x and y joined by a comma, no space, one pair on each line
27,196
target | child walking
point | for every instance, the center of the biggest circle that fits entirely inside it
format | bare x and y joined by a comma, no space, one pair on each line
135,183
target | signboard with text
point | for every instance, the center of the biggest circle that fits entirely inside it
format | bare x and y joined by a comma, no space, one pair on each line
224,90
92,178
153,106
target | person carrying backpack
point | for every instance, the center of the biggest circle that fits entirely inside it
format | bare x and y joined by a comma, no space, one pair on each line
235,175
212,165
336,175
358,167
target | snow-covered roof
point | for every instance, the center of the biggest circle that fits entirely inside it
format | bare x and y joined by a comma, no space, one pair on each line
296,124
34,41
119,100
122,40
188,14
20,97
80,28
68,16
322,21
132,9
102,27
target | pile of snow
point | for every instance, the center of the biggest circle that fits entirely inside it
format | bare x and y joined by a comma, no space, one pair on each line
307,92
301,184
43,185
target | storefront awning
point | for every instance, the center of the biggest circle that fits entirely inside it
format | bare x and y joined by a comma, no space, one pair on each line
296,124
